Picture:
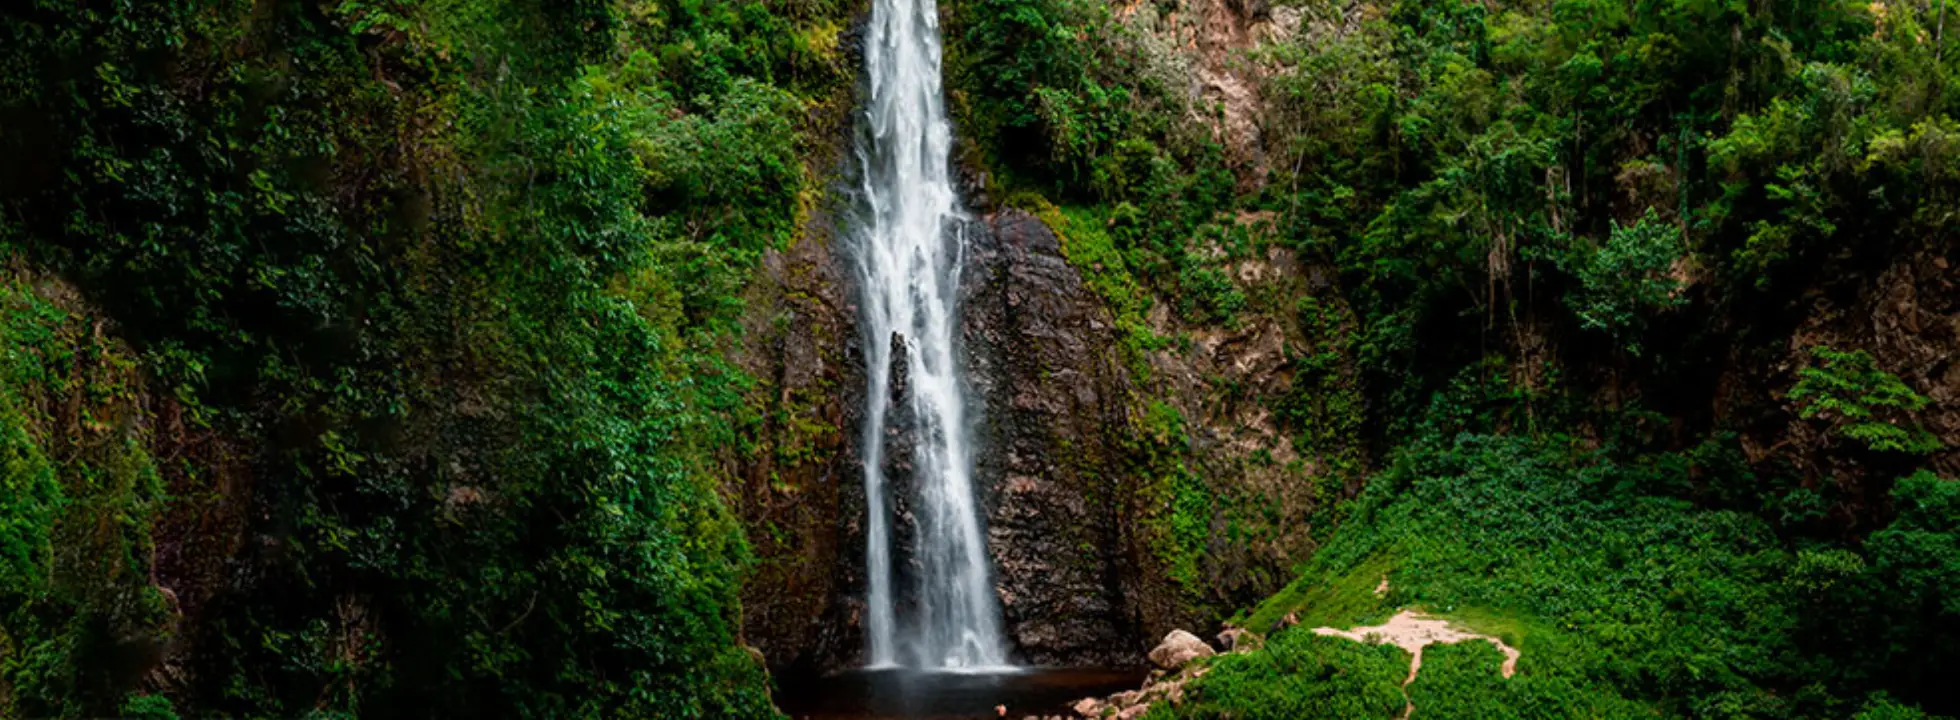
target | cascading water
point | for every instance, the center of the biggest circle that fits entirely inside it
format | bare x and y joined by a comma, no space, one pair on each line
908,253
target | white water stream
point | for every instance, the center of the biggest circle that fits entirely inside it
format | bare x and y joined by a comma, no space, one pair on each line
909,251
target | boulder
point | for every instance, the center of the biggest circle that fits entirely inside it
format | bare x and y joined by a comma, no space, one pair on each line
1178,649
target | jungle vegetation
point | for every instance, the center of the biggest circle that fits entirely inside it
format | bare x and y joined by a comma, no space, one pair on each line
448,289
1555,226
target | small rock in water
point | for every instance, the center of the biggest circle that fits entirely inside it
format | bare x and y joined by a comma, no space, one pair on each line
1178,649
1088,707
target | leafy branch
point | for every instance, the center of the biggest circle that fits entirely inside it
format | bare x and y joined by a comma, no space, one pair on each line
1859,399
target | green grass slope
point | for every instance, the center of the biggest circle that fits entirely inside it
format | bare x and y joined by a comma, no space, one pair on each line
1623,603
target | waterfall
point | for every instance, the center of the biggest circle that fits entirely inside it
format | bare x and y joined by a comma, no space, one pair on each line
909,250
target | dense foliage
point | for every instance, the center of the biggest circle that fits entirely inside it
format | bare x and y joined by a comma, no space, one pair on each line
373,357
1624,600
1624,247
1850,392
1668,177
1565,184
425,306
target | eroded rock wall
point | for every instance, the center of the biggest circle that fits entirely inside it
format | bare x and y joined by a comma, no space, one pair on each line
796,486
1070,503
1076,511
1056,403
1051,412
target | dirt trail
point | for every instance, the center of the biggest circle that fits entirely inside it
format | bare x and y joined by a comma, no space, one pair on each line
1412,631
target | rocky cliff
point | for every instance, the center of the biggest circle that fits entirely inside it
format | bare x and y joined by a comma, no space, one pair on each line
1133,487
1074,497
1053,403
1081,479
1042,354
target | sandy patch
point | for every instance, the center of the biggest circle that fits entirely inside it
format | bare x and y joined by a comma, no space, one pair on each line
1412,631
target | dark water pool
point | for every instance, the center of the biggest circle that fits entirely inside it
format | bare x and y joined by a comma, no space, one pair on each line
916,695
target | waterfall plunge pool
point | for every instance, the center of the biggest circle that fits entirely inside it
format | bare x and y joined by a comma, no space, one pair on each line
910,694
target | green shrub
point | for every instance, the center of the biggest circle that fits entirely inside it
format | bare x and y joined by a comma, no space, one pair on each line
1207,297
30,498
1297,675
77,498
1626,280
1620,603
1465,681
1882,707
1862,402
1911,612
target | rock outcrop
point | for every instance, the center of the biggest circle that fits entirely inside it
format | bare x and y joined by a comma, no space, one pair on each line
1178,649
1079,566
1051,415
1041,356
798,491
1068,505
1907,316
1131,704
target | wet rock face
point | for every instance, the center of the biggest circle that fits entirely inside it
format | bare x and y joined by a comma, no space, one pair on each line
901,482
1049,404
1052,401
796,485
798,488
